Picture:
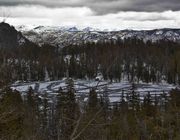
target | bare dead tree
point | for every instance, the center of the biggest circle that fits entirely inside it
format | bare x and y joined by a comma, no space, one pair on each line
75,135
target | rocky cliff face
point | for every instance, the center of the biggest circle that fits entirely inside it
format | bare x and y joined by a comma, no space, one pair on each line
10,37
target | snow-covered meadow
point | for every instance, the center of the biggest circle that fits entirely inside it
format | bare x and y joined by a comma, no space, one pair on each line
113,90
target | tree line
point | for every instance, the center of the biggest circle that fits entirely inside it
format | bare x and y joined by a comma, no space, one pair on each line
37,117
132,59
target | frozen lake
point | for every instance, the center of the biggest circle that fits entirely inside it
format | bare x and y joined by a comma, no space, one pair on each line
113,90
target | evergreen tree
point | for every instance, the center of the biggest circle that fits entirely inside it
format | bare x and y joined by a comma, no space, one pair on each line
11,115
67,112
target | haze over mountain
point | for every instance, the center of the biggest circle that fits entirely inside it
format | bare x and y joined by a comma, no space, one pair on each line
89,70
65,36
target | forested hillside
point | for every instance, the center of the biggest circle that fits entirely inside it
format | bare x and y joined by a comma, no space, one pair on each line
52,111
131,59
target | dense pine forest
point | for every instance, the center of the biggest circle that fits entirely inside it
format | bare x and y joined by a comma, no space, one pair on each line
65,118
34,117
89,69
131,58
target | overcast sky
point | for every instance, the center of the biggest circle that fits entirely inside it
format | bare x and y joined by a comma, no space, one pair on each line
111,14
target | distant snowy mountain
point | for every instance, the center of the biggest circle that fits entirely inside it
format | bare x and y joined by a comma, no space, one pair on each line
64,36
89,29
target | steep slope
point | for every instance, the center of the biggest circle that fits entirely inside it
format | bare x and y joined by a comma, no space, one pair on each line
10,37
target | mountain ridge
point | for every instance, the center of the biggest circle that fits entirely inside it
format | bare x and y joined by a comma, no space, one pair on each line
88,28
64,36
10,37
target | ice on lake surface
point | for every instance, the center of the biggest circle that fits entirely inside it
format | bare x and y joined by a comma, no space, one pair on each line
82,88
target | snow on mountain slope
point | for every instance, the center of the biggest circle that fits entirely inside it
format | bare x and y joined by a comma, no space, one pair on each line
64,36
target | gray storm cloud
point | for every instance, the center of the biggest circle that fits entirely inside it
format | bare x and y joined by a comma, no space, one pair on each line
85,16
120,14
104,6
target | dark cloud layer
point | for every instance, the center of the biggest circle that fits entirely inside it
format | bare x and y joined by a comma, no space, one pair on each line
104,6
